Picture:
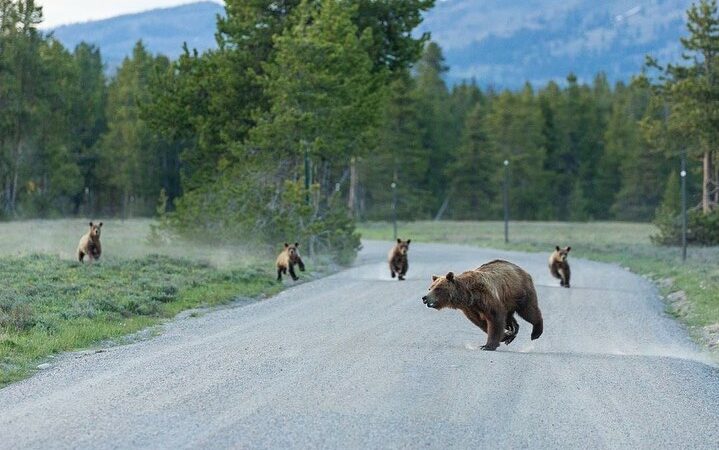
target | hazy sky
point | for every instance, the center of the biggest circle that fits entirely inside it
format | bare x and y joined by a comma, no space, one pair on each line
59,12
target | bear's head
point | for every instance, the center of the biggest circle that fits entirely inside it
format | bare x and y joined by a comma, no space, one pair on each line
403,246
562,253
95,230
291,250
443,291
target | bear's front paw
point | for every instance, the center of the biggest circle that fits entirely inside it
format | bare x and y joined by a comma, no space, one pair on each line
509,338
393,275
489,348
401,278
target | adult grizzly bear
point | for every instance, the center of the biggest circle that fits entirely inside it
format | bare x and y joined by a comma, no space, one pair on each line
489,296
90,244
398,263
287,260
559,266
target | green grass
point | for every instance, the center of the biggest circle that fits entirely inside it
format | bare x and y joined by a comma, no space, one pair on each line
625,243
49,303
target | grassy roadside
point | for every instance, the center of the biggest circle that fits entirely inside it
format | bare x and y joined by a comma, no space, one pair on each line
50,304
692,287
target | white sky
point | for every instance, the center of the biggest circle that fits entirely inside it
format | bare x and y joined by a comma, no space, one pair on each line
60,12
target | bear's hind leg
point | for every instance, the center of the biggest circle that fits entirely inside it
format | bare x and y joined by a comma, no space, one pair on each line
512,329
533,315
293,274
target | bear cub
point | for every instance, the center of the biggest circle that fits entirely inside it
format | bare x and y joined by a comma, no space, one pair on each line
398,263
489,296
90,244
287,260
559,266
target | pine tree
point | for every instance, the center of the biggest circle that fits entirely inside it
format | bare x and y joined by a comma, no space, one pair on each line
473,173
88,121
20,97
435,121
322,92
130,152
399,157
693,95
514,126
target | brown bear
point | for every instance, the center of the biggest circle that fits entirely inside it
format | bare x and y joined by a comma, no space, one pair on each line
559,266
90,244
398,263
489,296
287,260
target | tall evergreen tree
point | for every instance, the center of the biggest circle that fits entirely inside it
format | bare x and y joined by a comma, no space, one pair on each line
399,157
693,94
435,120
131,152
474,193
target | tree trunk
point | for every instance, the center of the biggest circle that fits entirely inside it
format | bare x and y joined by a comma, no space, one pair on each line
17,158
715,181
442,209
707,174
352,197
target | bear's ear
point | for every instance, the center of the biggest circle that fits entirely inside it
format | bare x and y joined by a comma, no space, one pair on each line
408,241
450,277
297,244
557,247
435,278
90,223
399,241
568,249
99,224
286,245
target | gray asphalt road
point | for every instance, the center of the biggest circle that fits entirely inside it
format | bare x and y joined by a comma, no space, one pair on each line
356,360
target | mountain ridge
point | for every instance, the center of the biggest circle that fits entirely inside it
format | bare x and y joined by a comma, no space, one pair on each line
497,43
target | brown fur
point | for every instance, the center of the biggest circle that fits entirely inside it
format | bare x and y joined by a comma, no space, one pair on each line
287,260
559,266
90,244
398,262
489,296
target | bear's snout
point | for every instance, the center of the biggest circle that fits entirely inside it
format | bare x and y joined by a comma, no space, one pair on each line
427,301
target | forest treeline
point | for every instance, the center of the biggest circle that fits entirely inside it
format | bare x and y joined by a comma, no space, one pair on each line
308,111
71,140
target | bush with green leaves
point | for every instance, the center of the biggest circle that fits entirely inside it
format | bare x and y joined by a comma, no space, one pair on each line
702,229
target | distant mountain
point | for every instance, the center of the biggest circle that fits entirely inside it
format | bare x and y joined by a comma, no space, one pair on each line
505,43
162,30
497,42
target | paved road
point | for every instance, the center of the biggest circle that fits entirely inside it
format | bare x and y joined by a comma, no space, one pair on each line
355,360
